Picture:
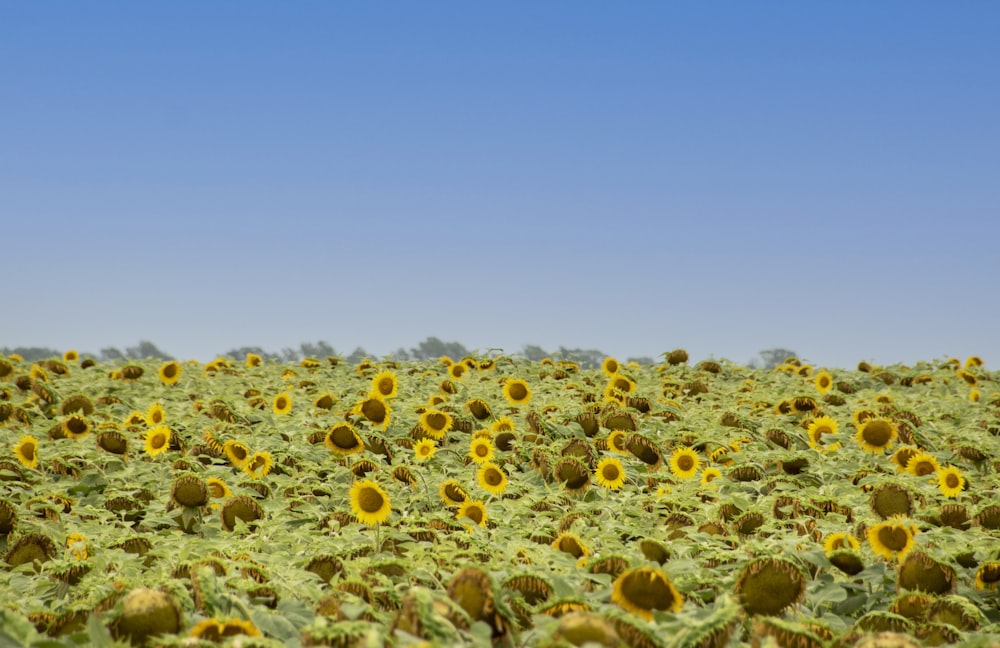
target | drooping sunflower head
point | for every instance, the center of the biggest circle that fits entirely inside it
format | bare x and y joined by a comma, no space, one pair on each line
769,585
240,507
876,434
491,478
452,493
157,440
572,474
645,590
988,576
343,439
610,473
369,503
145,614
517,391
259,464
684,463
219,630
237,453
479,409
190,491
918,572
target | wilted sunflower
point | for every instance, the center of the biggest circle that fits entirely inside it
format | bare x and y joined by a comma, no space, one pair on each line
823,381
259,464
237,453
570,543
26,451
385,384
155,414
684,463
475,510
876,434
282,403
157,440
452,493
950,481
75,426
170,372
988,576
375,410
424,449
610,473
369,503
517,391
922,464
644,590
491,478
481,450
343,439
217,488
435,423
891,539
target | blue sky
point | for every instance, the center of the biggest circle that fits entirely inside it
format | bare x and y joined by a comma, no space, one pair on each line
724,177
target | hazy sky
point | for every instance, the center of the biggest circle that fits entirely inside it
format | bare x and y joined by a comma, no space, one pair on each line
634,177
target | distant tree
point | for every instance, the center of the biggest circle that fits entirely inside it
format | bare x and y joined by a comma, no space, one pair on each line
774,357
357,355
110,354
400,354
588,358
643,360
242,353
319,350
32,353
289,354
146,349
433,348
534,353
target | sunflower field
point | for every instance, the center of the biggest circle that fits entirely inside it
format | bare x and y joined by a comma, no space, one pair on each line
493,501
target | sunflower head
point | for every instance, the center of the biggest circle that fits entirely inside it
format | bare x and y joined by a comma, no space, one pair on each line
891,539
474,510
876,434
385,384
684,463
157,440
369,503
343,439
237,453
517,391
170,372
950,481
435,423
26,451
769,585
491,478
424,449
259,464
922,463
645,590
190,491
610,473
145,614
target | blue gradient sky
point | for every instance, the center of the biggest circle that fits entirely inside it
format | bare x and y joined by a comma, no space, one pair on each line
635,177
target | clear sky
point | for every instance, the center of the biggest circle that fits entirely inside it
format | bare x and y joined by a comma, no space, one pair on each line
635,177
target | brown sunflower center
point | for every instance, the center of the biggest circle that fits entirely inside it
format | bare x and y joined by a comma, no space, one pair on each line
952,480
281,403
474,513
170,370
76,425
990,573
493,477
28,451
454,493
893,538
370,500
482,450
343,437
518,391
647,591
923,468
877,433
610,472
685,462
159,440
571,546
437,421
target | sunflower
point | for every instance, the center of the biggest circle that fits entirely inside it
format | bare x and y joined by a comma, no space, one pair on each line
481,449
375,410
155,414
325,401
218,630
610,366
452,493
818,428
237,453
517,391
73,355
876,434
475,510
77,544
950,481
259,465
424,449
343,439
479,408
922,464
26,451
385,384
684,463
838,541
282,403
491,478
968,377
621,383
570,543
891,538
823,381
217,488
988,576
709,475
610,473
369,503
135,418
253,360
457,371
435,423
645,590
975,395
170,372
75,426
157,440
502,424
617,442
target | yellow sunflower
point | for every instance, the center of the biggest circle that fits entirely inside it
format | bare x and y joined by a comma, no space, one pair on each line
259,464
237,453
343,439
71,356
876,434
157,440
134,419
452,493
219,630
26,451
617,442
684,463
988,576
821,426
435,423
708,475
385,384
950,481
375,410
217,488
572,544
457,371
610,473
282,403
253,360
170,372
610,366
77,544
75,426
517,391
837,541
922,464
155,414
823,381
369,503
475,510
481,450
491,478
644,590
975,395
502,424
891,539
424,449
